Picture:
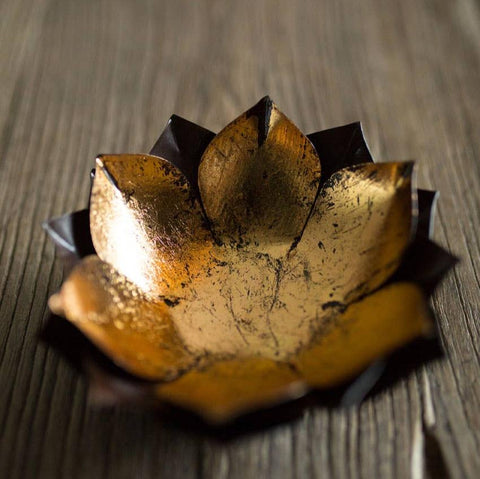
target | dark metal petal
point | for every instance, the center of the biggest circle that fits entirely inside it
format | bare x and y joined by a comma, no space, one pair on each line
182,144
427,201
425,263
71,235
340,147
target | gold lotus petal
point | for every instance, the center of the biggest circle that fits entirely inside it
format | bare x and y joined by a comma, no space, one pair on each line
355,239
258,179
226,389
146,222
368,330
115,315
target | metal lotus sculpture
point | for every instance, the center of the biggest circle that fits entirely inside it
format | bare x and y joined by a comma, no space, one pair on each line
228,273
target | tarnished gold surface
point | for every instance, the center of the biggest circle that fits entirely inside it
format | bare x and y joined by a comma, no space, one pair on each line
258,179
141,338
360,227
254,304
246,303
117,317
227,389
146,222
369,329
277,300
353,242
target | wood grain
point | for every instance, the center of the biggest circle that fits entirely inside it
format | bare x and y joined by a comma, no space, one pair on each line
81,78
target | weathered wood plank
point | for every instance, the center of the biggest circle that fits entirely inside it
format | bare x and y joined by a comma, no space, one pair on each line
79,78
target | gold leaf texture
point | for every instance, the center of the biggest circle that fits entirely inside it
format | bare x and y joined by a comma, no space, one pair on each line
146,222
263,285
121,321
258,179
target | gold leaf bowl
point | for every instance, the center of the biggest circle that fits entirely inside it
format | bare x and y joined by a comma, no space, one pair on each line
228,273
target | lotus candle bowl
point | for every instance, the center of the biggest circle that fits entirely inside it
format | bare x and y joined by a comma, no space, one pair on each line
229,273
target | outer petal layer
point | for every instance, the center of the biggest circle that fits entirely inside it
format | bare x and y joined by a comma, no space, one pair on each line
116,316
258,179
340,147
368,330
230,388
146,222
182,144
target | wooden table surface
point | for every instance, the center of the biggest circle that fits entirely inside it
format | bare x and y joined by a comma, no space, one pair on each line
79,78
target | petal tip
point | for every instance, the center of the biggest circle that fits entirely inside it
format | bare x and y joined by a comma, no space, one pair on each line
408,168
108,174
99,160
263,111
55,303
